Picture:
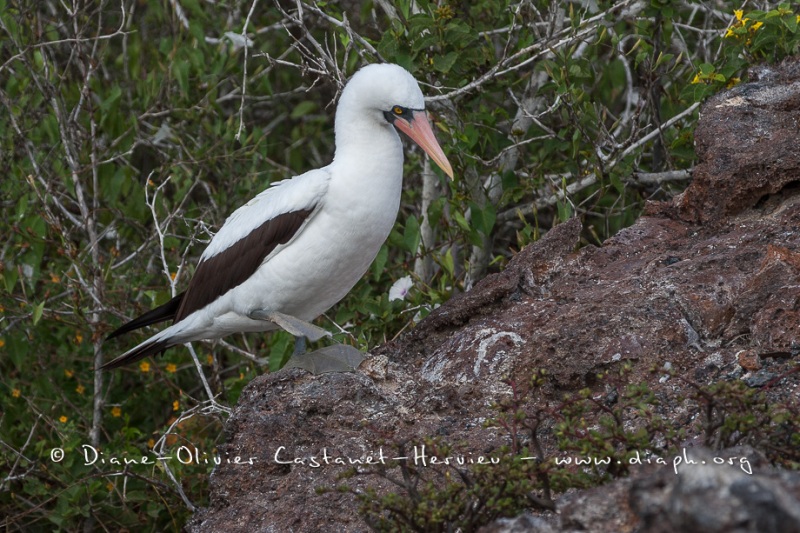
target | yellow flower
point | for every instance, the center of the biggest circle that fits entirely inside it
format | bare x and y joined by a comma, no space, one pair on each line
63,419
16,393
176,405
172,368
210,359
116,412
756,25
144,366
54,278
729,32
80,389
739,13
172,275
78,338
2,342
151,443
69,373
696,79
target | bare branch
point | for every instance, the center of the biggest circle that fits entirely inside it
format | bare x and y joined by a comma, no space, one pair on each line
244,69
657,178
508,64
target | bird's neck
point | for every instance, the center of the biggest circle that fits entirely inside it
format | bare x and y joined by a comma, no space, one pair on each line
369,146
369,164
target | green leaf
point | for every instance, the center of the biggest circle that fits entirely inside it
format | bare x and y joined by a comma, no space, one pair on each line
280,351
389,45
663,58
22,206
435,211
411,234
405,7
181,71
790,22
706,69
445,63
380,262
111,99
483,219
10,276
617,183
38,309
461,221
303,108
564,211
448,264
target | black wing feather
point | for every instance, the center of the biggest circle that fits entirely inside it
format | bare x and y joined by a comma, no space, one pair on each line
154,316
143,351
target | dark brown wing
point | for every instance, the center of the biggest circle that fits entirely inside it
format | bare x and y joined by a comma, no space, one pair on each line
233,266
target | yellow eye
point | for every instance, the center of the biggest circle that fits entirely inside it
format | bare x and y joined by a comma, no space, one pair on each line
397,110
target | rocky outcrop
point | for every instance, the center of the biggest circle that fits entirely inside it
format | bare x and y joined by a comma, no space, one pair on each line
707,286
746,144
690,498
695,496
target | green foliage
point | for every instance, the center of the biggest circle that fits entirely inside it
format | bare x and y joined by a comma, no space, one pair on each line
752,37
454,499
599,437
129,131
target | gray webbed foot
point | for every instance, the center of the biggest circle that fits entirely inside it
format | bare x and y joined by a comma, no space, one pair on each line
334,358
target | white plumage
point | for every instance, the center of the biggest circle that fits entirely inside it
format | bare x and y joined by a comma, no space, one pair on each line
299,246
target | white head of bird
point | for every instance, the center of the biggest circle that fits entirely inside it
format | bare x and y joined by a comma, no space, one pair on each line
384,96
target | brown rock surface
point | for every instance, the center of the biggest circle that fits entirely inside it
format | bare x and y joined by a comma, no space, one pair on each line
693,285
746,143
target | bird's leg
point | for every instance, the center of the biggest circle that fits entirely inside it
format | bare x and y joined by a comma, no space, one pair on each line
295,326
335,358
299,346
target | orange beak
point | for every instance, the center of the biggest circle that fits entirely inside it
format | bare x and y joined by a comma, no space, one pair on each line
419,129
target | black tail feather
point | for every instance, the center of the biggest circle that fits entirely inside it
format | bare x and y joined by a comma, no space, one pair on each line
143,351
154,316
